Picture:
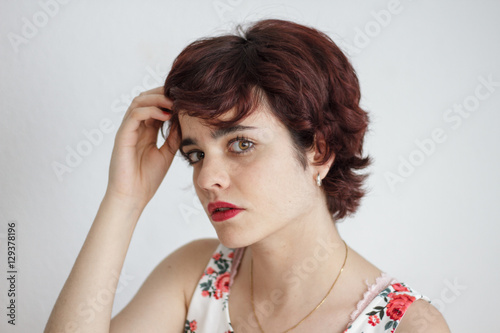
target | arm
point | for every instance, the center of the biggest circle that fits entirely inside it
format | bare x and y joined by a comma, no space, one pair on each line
86,299
422,316
165,295
136,171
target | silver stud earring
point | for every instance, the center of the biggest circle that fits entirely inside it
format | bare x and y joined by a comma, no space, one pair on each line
318,180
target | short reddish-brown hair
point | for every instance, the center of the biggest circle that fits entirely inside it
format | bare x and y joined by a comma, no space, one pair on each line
303,76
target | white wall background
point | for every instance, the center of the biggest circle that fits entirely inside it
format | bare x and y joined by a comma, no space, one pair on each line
73,67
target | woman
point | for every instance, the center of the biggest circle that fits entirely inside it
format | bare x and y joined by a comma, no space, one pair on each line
270,123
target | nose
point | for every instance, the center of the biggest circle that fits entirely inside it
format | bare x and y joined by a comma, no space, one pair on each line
213,175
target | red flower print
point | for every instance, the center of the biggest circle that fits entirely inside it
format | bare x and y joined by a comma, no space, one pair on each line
218,294
205,293
399,287
216,256
230,255
210,270
193,325
222,282
398,304
373,320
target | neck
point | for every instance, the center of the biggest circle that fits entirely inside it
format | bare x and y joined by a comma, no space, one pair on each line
299,262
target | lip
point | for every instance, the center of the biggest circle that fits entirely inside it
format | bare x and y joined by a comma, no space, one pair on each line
223,215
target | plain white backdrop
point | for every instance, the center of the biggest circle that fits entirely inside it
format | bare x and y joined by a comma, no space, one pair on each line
430,78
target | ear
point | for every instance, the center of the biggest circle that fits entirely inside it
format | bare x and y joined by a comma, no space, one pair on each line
315,155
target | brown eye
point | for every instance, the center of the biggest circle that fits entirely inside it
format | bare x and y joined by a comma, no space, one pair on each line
195,156
241,145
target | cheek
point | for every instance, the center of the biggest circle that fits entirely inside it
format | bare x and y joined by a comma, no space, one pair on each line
294,190
277,182
251,174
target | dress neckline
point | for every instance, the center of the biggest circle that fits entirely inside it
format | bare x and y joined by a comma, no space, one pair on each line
381,282
235,264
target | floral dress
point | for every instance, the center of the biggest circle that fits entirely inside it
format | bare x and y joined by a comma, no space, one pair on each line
382,308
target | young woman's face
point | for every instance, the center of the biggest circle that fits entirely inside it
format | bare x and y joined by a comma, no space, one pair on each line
252,166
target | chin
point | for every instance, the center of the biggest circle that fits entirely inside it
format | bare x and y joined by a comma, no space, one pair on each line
232,239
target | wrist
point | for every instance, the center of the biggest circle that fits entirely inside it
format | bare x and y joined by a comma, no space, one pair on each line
122,203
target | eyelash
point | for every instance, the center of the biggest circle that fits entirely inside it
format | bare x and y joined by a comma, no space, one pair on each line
238,138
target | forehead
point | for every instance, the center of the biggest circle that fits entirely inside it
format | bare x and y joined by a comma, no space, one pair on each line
261,117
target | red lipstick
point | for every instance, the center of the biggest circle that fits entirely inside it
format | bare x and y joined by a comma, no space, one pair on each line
221,211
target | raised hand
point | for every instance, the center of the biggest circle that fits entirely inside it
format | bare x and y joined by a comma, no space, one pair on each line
137,165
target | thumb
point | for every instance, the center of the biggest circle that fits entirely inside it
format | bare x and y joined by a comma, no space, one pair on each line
171,145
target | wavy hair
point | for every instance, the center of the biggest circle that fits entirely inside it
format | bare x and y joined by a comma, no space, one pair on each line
304,78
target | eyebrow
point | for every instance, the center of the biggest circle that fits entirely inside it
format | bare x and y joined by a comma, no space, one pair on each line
216,134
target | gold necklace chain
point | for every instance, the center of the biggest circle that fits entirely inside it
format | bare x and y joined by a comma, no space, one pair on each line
317,306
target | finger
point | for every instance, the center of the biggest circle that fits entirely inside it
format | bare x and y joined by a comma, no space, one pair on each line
138,115
152,100
157,90
173,140
159,101
151,122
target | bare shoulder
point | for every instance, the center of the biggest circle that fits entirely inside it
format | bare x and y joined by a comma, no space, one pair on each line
191,260
188,262
167,291
192,254
422,316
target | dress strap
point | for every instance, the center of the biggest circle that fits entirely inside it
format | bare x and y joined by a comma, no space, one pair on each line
386,310
208,310
373,290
